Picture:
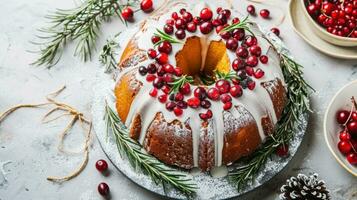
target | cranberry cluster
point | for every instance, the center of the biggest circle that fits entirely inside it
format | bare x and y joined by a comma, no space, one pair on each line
338,17
162,74
348,135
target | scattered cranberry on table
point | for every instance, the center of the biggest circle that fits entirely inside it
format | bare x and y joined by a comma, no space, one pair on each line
103,189
146,5
282,150
101,165
265,13
347,144
127,14
251,9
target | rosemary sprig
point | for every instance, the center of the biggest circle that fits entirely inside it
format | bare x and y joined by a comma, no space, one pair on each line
242,24
108,53
298,104
179,82
81,24
158,172
226,76
165,37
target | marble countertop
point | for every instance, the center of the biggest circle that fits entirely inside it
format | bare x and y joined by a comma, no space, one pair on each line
31,147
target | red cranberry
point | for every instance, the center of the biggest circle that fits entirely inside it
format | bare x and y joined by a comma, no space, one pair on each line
151,68
218,10
168,68
226,13
169,29
352,127
225,98
342,116
250,41
219,28
165,47
161,71
249,70
170,105
200,93
227,105
232,44
206,27
158,83
264,59
191,27
216,22
163,98
187,16
255,50
222,19
259,73
180,24
252,61
203,116
236,91
193,102
223,86
181,104
209,113
205,104
344,136
276,31
152,53
179,97
180,34
235,20
352,158
213,93
153,92
162,58
146,5
312,9
197,20
264,13
166,89
175,16
238,64
143,71
170,22
251,85
238,34
127,14
344,147
150,77
354,116
327,8
182,11
206,14
103,189
282,150
178,71
178,111
251,9
101,165
155,39
226,35
185,89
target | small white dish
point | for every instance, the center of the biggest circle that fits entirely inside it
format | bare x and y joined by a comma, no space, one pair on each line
341,100
302,27
322,33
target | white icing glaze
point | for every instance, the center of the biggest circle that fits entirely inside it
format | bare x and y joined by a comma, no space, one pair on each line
258,101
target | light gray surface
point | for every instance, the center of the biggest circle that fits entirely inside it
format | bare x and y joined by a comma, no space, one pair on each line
31,146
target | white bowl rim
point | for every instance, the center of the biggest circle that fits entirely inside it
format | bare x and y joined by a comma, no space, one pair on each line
325,127
323,30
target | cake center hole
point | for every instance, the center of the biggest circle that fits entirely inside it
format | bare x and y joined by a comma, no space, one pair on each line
200,58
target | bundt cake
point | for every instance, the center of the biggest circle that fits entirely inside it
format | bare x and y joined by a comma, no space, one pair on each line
198,87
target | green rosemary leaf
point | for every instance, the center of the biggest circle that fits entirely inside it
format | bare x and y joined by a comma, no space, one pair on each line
140,160
242,24
81,24
108,55
179,82
165,37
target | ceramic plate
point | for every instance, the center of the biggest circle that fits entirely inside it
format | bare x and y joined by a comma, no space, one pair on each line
209,187
342,100
303,28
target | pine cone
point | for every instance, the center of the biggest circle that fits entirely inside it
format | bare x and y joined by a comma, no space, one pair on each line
303,187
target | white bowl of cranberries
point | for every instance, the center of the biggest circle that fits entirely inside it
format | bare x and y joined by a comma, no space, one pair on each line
334,21
340,127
